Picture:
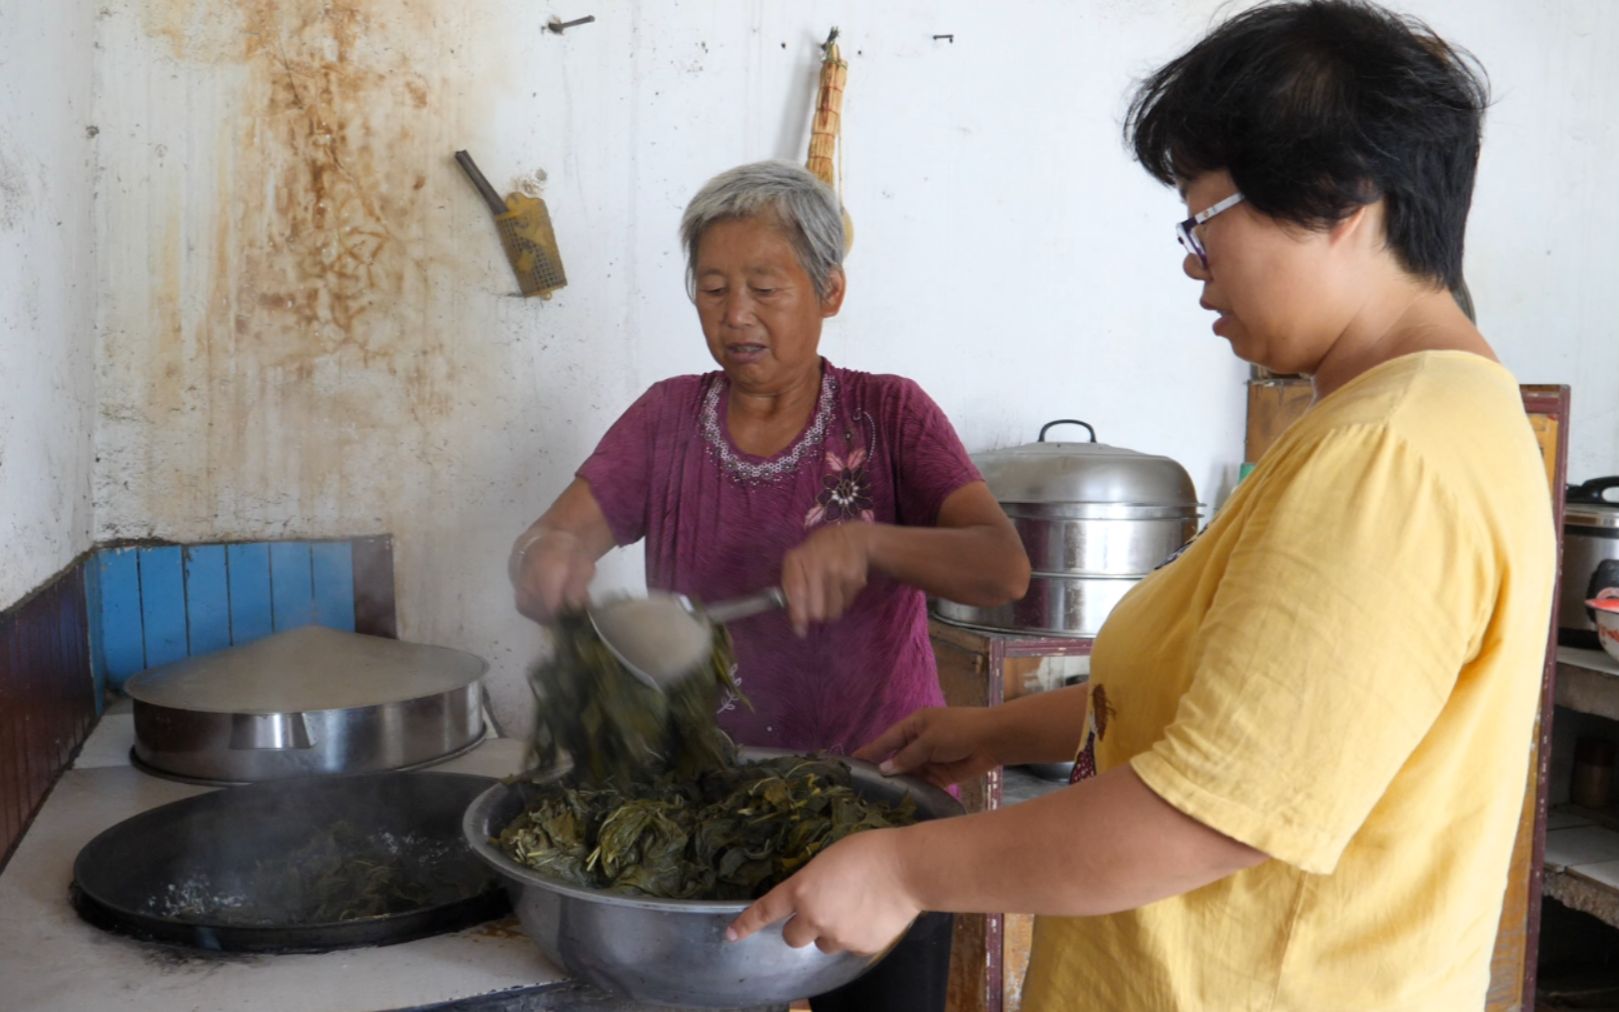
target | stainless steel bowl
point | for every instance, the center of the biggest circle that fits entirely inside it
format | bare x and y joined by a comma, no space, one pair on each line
673,952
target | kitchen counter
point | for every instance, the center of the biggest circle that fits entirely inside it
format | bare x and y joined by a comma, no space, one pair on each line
50,959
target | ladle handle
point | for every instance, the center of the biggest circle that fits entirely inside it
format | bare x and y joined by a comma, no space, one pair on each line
742,607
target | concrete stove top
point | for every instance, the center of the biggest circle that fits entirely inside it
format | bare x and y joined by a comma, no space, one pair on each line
50,959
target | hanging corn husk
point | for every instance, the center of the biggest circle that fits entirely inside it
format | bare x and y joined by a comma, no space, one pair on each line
824,156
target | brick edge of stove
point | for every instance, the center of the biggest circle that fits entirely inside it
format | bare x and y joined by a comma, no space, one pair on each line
47,696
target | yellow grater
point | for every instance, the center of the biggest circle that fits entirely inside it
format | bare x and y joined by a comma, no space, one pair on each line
524,224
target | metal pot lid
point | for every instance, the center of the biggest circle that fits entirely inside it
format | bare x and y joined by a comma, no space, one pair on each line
1587,504
306,669
1058,472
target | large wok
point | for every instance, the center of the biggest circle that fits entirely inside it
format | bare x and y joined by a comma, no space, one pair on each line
673,952
221,871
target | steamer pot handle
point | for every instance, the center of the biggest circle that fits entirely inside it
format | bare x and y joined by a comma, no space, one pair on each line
1591,491
1073,421
272,731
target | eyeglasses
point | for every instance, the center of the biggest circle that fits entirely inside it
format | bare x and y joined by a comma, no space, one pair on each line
1186,231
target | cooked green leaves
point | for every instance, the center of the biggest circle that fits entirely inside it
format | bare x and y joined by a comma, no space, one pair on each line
590,707
656,803
729,834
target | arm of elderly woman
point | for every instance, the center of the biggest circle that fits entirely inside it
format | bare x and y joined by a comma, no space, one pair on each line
972,555
947,745
553,561
1106,845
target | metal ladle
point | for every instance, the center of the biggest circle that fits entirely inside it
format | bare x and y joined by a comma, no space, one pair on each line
662,638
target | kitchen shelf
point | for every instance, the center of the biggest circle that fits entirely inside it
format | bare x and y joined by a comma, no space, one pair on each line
1582,861
1582,844
1568,815
1588,681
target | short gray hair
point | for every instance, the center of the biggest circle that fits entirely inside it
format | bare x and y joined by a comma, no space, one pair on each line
804,207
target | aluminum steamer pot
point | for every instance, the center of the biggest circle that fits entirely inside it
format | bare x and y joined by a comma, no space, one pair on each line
1590,557
306,702
674,952
1094,519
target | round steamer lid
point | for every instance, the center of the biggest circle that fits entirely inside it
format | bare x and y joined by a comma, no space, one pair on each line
307,669
1062,472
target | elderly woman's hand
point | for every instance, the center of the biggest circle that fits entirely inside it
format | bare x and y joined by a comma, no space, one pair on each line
551,570
943,745
824,574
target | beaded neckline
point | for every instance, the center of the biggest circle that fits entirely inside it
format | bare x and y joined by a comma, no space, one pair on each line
755,472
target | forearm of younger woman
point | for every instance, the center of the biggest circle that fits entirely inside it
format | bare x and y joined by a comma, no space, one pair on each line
1106,845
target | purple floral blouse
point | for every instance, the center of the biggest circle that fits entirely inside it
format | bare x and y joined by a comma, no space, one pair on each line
717,522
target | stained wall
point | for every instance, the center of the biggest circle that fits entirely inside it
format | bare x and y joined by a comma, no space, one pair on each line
306,327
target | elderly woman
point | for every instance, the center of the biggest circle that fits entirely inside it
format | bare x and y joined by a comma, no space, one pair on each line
849,490
1303,748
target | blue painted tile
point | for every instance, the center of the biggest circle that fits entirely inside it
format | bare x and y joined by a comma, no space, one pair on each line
207,599
332,565
163,605
292,593
118,615
248,574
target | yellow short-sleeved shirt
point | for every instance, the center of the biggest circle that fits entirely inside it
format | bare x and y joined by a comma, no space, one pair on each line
1342,672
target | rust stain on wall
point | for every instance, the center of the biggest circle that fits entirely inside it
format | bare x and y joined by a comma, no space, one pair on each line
169,351
315,338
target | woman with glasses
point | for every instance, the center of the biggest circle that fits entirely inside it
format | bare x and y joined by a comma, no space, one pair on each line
1302,752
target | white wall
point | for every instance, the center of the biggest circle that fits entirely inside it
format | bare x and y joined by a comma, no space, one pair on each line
47,339
306,320
1540,251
